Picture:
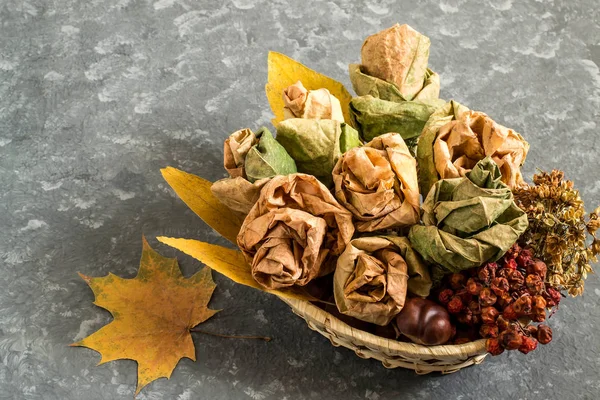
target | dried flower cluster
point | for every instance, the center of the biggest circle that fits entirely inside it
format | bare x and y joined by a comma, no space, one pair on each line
558,232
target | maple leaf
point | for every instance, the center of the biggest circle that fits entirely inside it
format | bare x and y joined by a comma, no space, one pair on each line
153,314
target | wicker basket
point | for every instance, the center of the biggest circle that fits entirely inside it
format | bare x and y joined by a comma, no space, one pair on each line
392,354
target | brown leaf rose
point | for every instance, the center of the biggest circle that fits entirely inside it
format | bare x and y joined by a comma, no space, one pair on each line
311,104
373,276
461,143
236,146
294,232
378,184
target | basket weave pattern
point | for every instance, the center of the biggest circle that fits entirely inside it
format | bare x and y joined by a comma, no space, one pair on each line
393,354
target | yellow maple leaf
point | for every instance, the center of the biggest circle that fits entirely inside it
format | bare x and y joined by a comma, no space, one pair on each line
230,263
195,192
153,314
284,71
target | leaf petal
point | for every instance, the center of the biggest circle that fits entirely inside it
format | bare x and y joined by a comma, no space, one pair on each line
230,263
195,192
284,71
268,158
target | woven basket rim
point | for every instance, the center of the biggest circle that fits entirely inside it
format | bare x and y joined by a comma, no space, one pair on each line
336,326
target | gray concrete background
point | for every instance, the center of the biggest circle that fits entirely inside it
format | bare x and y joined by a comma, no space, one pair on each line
96,96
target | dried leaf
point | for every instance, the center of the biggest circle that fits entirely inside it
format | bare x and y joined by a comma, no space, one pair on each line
196,193
284,72
427,173
267,158
238,193
153,314
316,145
468,221
364,84
374,117
230,263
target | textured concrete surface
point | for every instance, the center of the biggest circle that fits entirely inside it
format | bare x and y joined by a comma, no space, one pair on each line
96,96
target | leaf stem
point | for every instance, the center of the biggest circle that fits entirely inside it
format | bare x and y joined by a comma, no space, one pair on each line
265,338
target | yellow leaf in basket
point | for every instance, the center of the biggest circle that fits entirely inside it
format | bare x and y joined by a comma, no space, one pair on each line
284,71
195,192
230,263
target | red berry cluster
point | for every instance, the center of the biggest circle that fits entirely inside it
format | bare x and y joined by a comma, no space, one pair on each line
493,300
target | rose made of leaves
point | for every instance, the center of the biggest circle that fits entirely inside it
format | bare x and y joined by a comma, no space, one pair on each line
373,276
294,232
468,137
265,159
427,172
399,57
235,148
311,104
377,183
316,145
468,221
397,92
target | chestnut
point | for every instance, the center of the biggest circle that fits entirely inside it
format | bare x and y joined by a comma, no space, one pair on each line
424,322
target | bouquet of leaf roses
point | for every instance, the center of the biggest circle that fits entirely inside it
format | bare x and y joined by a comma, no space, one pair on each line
404,214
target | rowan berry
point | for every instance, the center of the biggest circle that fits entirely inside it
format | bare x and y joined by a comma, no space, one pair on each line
511,339
487,297
544,334
535,284
455,305
487,272
445,295
528,344
509,313
473,287
494,347
537,267
499,285
510,264
489,315
489,330
457,281
523,306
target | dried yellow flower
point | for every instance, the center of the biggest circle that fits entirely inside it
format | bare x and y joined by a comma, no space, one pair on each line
558,232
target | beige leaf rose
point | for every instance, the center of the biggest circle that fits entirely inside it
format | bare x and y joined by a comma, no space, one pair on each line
463,142
378,184
235,149
398,55
311,104
373,276
294,232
